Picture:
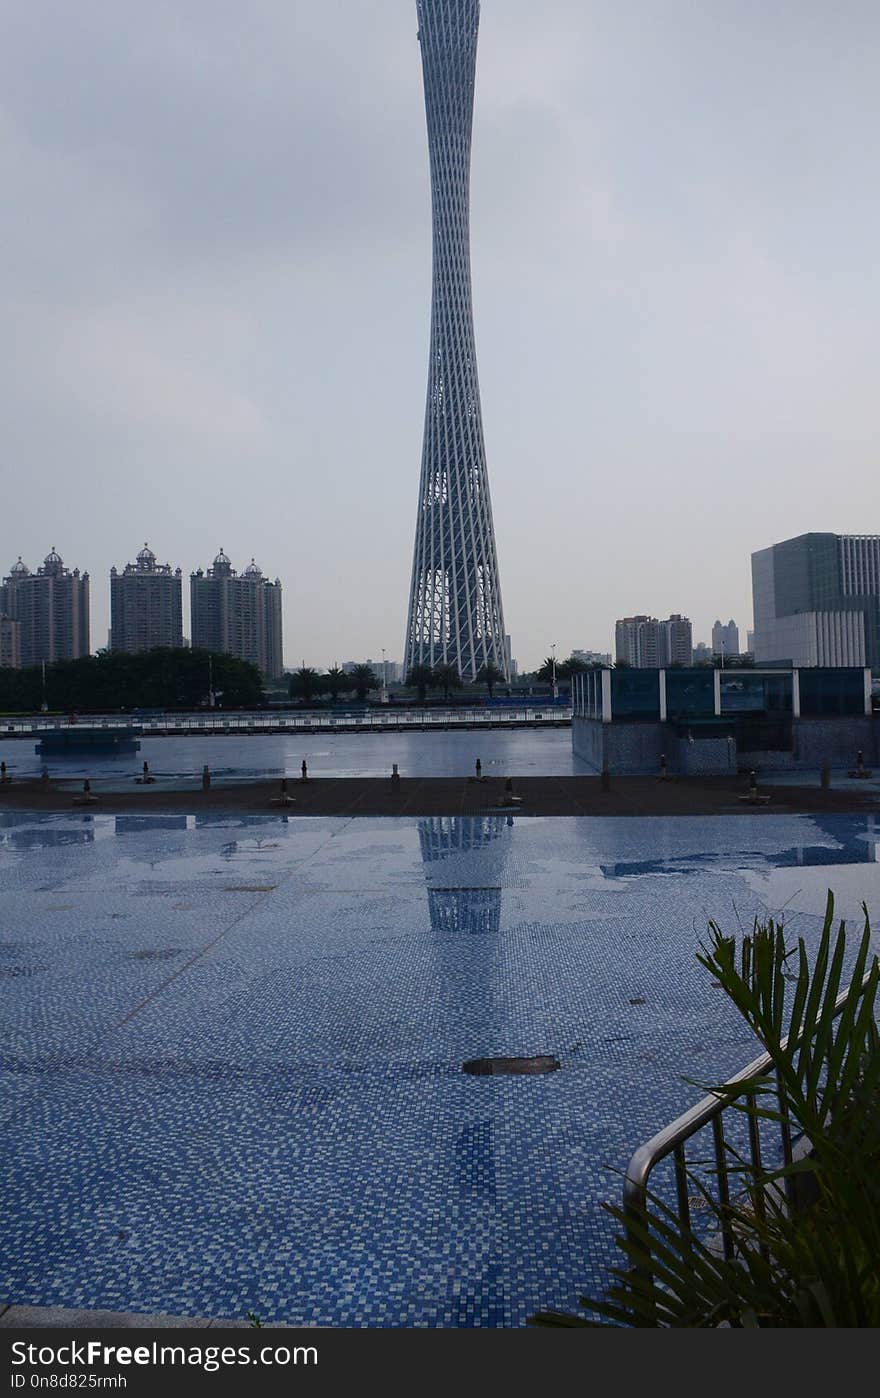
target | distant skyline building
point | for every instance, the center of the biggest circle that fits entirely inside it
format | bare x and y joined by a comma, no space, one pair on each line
238,615
592,657
645,643
10,643
392,668
725,639
146,605
817,601
51,608
455,612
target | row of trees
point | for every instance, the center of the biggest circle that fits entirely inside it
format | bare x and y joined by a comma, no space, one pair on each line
307,684
155,679
575,666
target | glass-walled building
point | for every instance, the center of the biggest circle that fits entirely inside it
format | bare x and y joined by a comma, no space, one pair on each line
817,601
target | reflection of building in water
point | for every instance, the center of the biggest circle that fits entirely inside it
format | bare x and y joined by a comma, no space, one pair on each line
851,840
144,825
474,906
45,837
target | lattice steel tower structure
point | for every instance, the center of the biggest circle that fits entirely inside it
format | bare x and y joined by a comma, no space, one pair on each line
455,613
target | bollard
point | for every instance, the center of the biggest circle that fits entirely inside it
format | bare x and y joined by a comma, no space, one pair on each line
860,770
825,777
87,799
4,775
752,796
206,778
479,769
510,799
606,778
664,772
284,799
395,775
305,771
44,776
146,779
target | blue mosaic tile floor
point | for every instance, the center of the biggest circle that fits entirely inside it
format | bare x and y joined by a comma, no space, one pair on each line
231,1048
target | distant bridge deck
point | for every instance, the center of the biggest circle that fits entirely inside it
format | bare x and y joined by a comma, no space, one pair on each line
217,724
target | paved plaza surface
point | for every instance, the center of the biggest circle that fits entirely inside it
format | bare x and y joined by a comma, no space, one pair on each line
232,1046
434,796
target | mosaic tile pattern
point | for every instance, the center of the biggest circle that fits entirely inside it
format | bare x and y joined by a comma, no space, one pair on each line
231,1048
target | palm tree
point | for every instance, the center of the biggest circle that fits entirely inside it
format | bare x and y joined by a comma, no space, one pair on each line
549,669
490,675
337,682
447,677
803,1238
305,683
422,678
364,678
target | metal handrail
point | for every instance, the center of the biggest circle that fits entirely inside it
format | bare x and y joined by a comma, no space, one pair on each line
673,1138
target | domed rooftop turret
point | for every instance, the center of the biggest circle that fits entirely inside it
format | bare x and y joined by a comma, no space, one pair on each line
253,570
222,565
53,563
19,569
146,558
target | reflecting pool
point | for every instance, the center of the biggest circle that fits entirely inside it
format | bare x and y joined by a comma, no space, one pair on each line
231,1048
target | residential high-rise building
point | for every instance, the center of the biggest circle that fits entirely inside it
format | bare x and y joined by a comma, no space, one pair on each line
238,615
725,639
679,640
10,643
51,608
702,654
817,600
455,612
146,605
645,643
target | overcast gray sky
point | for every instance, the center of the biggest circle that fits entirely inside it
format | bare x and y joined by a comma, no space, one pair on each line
215,277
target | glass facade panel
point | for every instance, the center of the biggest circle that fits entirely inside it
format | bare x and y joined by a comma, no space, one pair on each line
832,692
743,693
690,694
635,694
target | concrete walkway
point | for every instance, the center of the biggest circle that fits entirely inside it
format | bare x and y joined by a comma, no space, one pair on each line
432,796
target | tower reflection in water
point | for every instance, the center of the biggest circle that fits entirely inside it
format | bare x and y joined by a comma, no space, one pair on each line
464,893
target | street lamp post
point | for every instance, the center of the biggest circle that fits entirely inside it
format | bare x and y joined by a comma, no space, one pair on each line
384,694
555,690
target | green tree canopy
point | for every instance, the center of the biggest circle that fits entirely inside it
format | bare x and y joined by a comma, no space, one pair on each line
490,675
306,684
447,678
363,679
422,678
336,682
113,680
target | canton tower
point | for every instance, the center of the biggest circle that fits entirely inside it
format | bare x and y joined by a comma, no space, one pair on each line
455,613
